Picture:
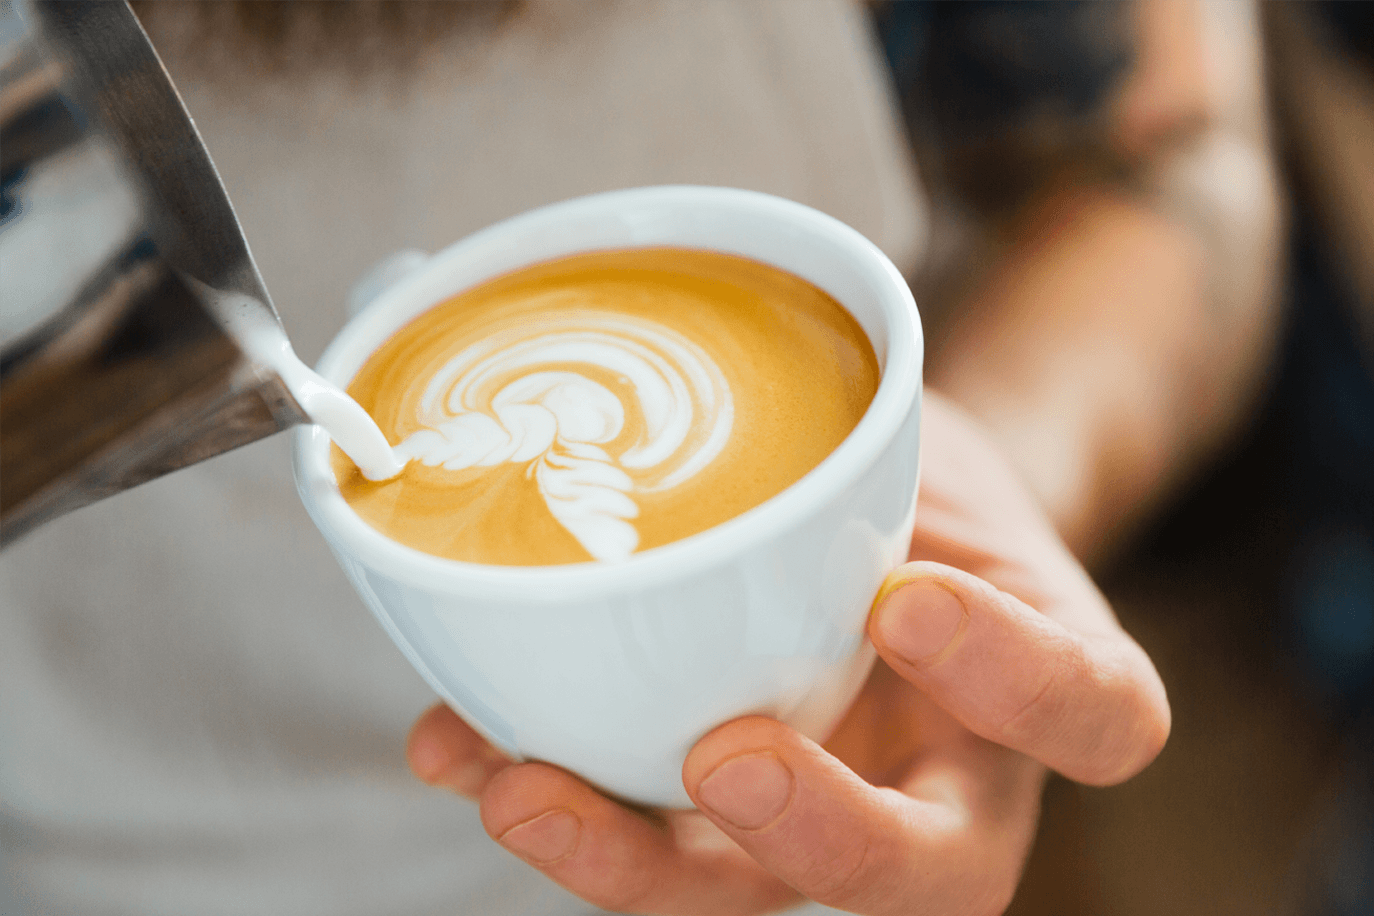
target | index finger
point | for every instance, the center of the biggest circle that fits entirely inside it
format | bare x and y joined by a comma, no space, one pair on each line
1089,705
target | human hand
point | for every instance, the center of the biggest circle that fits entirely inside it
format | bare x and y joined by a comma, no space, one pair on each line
998,657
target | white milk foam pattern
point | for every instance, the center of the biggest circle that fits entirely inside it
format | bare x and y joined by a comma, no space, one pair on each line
559,420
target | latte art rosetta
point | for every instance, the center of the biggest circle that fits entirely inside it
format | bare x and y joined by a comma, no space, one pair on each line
606,403
559,422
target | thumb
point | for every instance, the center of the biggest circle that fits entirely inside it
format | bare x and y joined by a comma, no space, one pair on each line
812,822
1090,706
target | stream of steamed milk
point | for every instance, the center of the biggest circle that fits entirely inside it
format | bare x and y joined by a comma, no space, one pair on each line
263,339
328,406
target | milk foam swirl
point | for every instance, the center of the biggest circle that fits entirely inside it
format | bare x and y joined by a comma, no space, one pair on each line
534,397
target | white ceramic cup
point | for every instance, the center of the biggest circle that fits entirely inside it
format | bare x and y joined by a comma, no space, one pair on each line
614,670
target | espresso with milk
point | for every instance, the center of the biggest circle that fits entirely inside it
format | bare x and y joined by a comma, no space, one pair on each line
605,403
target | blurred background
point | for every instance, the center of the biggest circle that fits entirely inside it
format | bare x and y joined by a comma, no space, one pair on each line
1241,556
1252,588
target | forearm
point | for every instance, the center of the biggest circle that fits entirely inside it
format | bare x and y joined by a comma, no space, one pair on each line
1120,333
1102,355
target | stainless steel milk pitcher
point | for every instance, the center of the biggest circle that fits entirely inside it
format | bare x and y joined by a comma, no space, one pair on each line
114,368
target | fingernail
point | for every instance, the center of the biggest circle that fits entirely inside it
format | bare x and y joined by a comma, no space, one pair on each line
545,839
921,621
749,791
429,758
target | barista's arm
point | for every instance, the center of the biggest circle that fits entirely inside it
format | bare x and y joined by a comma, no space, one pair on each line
1127,314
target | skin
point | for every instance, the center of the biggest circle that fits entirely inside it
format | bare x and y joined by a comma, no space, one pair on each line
925,800
1121,328
1112,344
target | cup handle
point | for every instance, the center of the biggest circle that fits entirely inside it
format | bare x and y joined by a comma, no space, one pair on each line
385,273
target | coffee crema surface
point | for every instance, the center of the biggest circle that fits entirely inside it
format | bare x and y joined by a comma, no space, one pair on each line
603,403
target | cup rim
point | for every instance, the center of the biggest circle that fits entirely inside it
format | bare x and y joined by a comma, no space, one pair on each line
898,387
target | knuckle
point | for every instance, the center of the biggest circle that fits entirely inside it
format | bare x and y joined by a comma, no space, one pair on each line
622,890
1142,723
992,891
1042,710
1157,735
999,897
839,878
1130,762
990,901
1097,719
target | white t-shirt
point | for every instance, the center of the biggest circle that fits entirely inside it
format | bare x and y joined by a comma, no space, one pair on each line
197,714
